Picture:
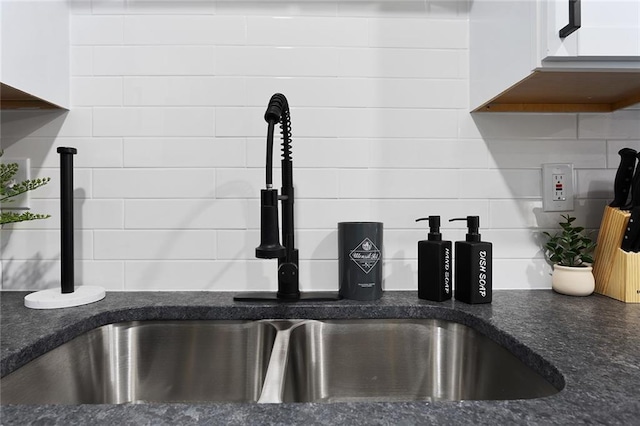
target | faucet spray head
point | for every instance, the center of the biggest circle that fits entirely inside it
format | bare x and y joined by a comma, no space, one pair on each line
277,104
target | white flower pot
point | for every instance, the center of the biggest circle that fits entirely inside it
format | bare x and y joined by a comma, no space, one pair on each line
573,281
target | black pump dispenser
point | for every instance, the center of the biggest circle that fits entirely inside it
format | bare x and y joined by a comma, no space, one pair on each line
434,228
473,269
434,264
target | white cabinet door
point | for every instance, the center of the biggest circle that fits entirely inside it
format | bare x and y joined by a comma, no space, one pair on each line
609,28
34,48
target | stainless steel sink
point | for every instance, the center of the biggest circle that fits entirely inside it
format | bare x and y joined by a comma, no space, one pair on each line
272,361
151,361
403,360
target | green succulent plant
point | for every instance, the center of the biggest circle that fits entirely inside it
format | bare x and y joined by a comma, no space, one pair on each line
9,189
571,246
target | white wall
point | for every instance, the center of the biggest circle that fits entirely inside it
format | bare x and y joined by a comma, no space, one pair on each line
167,106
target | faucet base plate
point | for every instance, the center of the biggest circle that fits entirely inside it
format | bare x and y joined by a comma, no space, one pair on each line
260,296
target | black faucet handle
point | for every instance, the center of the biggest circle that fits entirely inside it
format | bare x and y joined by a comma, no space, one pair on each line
270,247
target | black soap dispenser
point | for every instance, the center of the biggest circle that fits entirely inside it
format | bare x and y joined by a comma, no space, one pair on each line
434,264
473,265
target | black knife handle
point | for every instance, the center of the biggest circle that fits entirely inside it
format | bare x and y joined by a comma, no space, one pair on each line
631,238
622,182
635,187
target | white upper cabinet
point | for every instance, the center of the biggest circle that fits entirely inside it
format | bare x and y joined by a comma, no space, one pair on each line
519,61
34,55
609,28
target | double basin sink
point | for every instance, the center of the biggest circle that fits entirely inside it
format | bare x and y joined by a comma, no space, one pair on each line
274,361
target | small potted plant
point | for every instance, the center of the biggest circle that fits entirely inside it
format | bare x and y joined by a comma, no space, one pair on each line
570,250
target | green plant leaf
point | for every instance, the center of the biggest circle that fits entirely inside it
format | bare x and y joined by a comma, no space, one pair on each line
10,189
569,247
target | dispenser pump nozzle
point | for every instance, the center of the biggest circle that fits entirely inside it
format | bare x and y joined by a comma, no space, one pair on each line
473,224
434,227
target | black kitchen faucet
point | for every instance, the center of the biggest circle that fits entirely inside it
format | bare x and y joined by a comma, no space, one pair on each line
270,246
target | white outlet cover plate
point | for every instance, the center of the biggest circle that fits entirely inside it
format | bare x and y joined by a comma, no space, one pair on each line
549,203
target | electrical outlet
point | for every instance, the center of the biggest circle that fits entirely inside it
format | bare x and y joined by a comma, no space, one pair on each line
557,187
22,201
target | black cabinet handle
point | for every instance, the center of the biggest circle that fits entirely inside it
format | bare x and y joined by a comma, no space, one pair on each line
574,19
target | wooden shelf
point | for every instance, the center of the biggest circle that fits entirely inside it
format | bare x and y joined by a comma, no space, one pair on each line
12,98
569,91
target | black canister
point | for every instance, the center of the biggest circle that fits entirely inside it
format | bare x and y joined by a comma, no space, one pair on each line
360,260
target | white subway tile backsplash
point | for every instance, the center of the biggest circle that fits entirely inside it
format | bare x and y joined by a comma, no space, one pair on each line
312,244
154,244
311,31
325,214
82,183
184,91
45,274
315,275
41,244
621,124
81,61
316,183
524,126
300,91
91,30
153,183
512,214
280,8
345,92
80,7
240,122
152,7
394,9
525,154
515,243
88,214
428,154
153,121
414,93
99,214
168,101
504,183
154,60
332,153
211,276
596,183
419,33
144,29
280,61
521,274
18,124
192,214
395,123
185,152
614,146
92,152
400,63
398,183
246,183
399,275
231,246
401,214
96,91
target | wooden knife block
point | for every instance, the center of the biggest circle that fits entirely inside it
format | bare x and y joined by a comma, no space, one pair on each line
616,271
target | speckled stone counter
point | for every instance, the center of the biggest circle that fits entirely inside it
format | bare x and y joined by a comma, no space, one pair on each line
590,345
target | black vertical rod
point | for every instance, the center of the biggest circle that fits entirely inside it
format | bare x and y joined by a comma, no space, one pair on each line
66,217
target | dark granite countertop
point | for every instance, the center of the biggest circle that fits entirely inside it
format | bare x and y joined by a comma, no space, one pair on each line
592,342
